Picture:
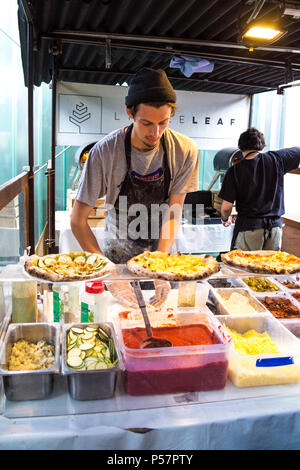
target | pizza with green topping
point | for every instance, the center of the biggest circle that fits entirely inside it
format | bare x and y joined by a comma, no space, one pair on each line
68,267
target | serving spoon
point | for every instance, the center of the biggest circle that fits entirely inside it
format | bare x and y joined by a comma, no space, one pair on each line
151,341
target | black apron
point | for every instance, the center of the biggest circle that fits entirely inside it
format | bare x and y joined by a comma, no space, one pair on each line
120,250
244,223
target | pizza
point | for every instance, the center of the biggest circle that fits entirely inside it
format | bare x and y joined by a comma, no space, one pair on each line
66,267
173,267
263,261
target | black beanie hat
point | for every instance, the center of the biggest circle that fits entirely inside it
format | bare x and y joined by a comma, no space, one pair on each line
150,86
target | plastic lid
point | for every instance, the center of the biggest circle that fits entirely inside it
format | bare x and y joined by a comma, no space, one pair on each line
94,287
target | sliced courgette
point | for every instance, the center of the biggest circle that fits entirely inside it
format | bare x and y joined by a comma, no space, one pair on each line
77,330
92,259
49,261
65,259
101,365
79,259
74,352
75,362
86,346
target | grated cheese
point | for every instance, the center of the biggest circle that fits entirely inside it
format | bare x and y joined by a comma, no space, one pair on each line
251,342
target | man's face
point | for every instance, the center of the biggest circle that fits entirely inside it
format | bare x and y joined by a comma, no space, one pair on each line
149,125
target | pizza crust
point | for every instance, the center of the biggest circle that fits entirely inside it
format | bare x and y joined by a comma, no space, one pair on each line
235,258
34,270
135,267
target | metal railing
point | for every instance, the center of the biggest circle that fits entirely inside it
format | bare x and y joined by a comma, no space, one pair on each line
21,184
9,191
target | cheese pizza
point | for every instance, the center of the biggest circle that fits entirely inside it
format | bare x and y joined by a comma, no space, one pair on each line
173,267
263,261
66,267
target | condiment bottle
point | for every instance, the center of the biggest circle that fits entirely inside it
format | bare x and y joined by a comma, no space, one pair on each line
94,302
186,293
24,302
72,310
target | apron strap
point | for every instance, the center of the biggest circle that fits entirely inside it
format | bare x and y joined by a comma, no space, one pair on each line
128,145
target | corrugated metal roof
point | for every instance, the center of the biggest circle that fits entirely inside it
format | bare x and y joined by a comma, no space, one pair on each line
149,33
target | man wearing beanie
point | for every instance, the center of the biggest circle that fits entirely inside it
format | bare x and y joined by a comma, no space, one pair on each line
143,166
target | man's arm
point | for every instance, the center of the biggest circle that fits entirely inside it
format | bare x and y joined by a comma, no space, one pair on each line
226,209
171,222
81,228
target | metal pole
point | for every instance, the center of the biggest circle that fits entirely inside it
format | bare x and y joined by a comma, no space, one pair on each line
30,68
250,111
51,219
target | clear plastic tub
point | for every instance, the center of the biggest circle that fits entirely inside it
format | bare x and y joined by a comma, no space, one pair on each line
290,322
178,368
264,369
270,280
241,300
281,280
225,283
296,296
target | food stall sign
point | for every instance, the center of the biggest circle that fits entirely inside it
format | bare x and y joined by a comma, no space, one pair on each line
88,112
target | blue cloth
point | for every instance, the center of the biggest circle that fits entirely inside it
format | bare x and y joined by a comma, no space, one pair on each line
190,65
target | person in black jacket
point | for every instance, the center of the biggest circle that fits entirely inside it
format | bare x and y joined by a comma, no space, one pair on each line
256,184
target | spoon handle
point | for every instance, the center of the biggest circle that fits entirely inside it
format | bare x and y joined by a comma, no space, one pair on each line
142,305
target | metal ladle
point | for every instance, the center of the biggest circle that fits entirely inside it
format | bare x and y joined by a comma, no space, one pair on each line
150,341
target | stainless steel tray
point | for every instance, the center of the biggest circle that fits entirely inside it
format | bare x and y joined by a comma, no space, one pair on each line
91,384
30,384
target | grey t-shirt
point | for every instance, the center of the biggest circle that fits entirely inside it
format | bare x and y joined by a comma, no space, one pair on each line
106,167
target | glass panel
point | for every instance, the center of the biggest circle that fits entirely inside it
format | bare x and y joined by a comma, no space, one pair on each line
13,96
268,116
12,241
206,170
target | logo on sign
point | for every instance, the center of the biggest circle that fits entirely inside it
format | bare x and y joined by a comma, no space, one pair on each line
79,114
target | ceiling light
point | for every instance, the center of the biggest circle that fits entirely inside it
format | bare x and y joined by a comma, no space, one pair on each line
262,32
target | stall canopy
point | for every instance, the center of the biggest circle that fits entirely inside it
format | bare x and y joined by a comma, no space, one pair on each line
197,43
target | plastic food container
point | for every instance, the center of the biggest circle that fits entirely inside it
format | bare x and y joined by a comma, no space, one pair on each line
177,368
225,283
270,280
282,280
247,302
264,369
30,384
292,323
296,296
94,384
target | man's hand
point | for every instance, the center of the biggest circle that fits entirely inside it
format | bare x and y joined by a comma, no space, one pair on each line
123,293
227,222
162,289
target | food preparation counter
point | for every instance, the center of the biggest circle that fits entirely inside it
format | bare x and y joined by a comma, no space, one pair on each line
243,422
264,417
